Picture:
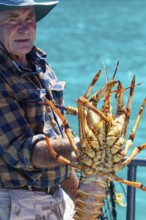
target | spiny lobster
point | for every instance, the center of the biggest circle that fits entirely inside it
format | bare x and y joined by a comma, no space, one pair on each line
102,144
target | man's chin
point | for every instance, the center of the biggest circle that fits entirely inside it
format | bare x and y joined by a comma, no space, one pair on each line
22,51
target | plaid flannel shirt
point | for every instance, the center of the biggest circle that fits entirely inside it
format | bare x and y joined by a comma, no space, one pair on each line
23,121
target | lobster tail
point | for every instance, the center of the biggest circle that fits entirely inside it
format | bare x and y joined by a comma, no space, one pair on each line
91,194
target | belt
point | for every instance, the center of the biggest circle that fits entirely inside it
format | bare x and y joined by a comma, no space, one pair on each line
48,190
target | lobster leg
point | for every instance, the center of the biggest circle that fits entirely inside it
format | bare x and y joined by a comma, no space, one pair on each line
136,151
68,130
86,95
132,134
86,103
120,104
129,104
59,158
129,183
102,93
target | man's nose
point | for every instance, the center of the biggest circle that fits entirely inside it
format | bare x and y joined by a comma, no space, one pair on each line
23,26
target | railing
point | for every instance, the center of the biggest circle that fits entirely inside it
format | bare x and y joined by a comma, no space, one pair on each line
131,191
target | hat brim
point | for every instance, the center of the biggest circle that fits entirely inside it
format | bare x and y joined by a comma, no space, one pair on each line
41,9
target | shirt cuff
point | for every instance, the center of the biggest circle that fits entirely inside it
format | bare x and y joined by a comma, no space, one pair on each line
27,149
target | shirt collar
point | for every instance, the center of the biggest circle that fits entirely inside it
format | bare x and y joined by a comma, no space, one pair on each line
36,56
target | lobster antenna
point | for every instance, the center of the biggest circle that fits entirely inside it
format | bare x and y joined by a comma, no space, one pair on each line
115,70
104,67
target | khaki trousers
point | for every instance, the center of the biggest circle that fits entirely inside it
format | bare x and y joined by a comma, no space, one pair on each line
30,205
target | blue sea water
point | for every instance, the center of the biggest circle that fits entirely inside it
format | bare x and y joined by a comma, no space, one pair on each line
79,36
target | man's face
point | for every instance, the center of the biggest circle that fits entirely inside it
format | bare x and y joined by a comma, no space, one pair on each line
17,31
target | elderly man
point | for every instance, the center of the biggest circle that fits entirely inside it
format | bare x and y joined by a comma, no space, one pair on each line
31,180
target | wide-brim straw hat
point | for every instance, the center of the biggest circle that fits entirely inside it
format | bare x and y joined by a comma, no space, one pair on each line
41,9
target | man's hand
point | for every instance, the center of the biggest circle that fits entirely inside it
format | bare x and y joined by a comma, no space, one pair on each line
42,158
